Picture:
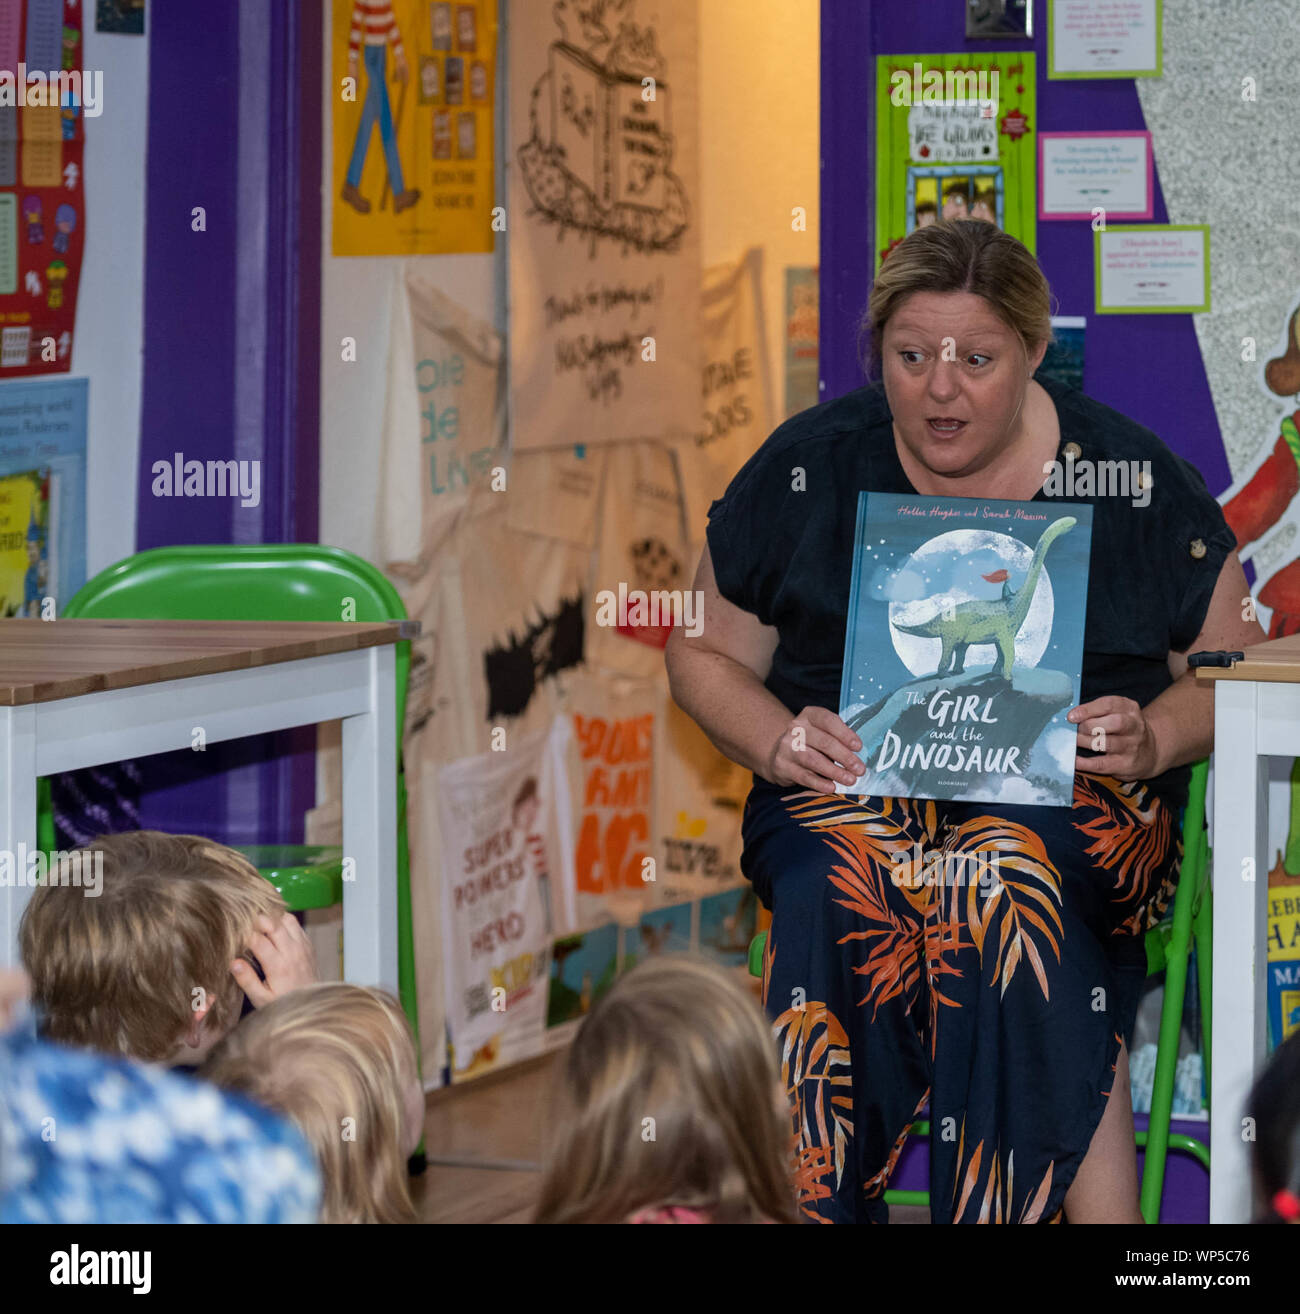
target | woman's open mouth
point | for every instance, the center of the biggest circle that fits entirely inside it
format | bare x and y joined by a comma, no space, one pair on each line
945,426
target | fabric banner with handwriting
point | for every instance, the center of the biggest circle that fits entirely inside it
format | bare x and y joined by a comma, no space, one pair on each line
643,568
736,387
699,799
604,220
444,419
611,767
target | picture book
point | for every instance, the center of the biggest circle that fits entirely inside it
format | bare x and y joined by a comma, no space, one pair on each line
964,647
26,540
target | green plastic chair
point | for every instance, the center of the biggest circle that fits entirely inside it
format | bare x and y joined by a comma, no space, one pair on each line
266,582
1168,946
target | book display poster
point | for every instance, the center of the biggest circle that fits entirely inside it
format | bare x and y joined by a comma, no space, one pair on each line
964,647
412,99
42,197
955,140
42,495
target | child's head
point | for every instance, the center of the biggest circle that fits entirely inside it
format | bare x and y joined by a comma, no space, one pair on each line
670,1096
1274,1109
955,200
338,1061
142,967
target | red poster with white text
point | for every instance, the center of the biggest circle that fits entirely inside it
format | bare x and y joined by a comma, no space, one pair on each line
44,94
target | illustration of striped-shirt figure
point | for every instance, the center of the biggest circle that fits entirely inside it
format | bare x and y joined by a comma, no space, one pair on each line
524,812
373,29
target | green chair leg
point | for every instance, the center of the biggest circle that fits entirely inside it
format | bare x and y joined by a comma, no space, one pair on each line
1202,922
1171,1013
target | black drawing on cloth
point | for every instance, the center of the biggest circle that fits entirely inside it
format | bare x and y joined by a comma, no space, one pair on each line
599,157
655,565
514,669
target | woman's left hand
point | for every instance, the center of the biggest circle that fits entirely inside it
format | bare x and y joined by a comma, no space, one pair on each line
1117,729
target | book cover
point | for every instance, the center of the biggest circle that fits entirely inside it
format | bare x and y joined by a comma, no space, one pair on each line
25,542
964,647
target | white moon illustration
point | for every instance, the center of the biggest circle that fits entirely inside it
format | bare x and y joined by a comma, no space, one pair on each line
920,654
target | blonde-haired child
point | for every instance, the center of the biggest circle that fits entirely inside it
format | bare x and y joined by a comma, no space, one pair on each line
670,1106
149,961
338,1061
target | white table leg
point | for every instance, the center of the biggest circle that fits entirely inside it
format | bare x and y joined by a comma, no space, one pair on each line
370,832
1241,865
17,821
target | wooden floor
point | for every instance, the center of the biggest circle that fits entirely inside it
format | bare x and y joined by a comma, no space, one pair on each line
498,1119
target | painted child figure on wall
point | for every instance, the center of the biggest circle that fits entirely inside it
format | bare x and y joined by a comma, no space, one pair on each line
374,26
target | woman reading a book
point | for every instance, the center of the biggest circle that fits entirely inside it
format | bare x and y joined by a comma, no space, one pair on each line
893,975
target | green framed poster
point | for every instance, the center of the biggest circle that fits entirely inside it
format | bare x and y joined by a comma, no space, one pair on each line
1088,40
1152,269
955,139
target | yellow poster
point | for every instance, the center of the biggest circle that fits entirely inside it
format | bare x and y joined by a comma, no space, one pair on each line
412,95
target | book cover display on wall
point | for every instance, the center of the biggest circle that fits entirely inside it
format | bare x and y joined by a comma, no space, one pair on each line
412,95
964,647
42,197
955,140
42,495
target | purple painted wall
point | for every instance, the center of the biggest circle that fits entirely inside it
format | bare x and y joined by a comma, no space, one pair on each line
232,343
1147,366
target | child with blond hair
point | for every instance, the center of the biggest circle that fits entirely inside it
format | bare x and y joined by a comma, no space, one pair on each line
670,1107
154,964
338,1061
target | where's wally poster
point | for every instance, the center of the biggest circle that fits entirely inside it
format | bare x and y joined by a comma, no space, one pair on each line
964,647
412,97
955,139
44,93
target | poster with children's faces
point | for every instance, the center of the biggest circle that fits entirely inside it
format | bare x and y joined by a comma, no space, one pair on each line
955,140
411,94
42,198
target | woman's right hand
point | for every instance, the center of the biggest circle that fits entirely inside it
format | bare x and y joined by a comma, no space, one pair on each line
817,750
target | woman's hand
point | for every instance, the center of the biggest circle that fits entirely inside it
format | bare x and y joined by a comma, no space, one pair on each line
1118,729
816,750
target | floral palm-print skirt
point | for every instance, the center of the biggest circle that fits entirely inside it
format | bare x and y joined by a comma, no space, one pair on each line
985,958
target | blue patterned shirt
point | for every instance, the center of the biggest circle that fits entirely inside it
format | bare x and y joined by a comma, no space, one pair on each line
87,1138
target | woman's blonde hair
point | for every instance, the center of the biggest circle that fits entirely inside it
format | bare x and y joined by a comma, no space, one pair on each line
668,1097
336,1060
118,971
964,255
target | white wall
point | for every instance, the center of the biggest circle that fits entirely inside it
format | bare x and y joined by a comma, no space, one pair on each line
108,343
760,144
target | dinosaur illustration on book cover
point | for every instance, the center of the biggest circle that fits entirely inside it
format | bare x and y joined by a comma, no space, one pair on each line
998,621
961,656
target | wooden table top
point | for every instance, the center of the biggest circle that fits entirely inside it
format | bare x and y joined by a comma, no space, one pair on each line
41,661
1275,662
